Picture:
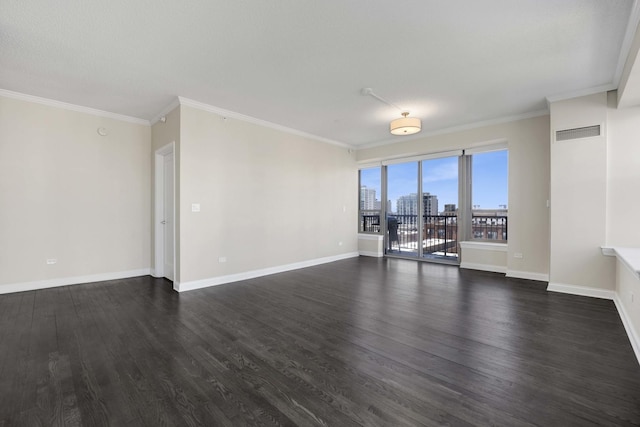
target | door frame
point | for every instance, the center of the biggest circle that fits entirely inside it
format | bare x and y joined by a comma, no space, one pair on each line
159,239
419,254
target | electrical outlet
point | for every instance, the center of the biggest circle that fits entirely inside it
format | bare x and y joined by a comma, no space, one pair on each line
631,296
517,255
222,259
51,261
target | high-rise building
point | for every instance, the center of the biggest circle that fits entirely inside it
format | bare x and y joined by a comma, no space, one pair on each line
408,205
368,198
430,204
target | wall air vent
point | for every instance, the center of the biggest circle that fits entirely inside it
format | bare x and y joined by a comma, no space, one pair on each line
586,132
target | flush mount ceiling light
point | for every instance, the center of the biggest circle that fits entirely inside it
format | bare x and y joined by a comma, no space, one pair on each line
405,125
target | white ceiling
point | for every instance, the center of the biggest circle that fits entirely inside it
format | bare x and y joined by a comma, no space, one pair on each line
303,63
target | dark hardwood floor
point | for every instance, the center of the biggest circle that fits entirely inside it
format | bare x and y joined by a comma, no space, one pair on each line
358,342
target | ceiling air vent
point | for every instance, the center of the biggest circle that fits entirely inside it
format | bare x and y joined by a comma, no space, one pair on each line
586,132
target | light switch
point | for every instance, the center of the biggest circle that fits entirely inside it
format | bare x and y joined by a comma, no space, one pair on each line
195,207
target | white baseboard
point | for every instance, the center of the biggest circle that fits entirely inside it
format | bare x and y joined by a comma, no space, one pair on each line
76,280
220,280
581,290
633,335
483,267
373,254
542,277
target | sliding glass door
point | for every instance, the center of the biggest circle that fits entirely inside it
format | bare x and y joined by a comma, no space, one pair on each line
402,210
422,212
440,208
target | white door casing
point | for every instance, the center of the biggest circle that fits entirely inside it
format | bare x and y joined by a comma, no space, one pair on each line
168,216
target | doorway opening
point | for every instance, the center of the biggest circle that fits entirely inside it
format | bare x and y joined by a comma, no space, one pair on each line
164,218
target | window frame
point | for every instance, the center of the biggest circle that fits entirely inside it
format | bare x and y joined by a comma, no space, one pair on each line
465,187
502,231
380,212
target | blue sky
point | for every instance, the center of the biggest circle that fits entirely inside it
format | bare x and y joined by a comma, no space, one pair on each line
440,177
490,179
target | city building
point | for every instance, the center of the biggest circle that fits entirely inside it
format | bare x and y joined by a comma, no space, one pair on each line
408,204
368,199
490,224
430,204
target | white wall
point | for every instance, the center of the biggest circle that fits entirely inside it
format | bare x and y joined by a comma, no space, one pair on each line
578,197
528,142
268,198
623,177
70,194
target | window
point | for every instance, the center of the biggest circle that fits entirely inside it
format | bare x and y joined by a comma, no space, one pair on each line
426,204
489,195
369,203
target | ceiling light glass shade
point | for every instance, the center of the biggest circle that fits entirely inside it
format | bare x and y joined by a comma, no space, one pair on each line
405,125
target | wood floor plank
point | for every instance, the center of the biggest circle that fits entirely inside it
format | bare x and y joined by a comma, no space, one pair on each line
16,346
364,341
367,358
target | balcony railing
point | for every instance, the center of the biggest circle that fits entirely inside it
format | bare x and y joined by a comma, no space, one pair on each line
440,232
440,235
370,221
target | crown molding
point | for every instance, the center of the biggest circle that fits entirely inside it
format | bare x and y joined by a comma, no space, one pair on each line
72,107
232,114
166,110
581,92
460,128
